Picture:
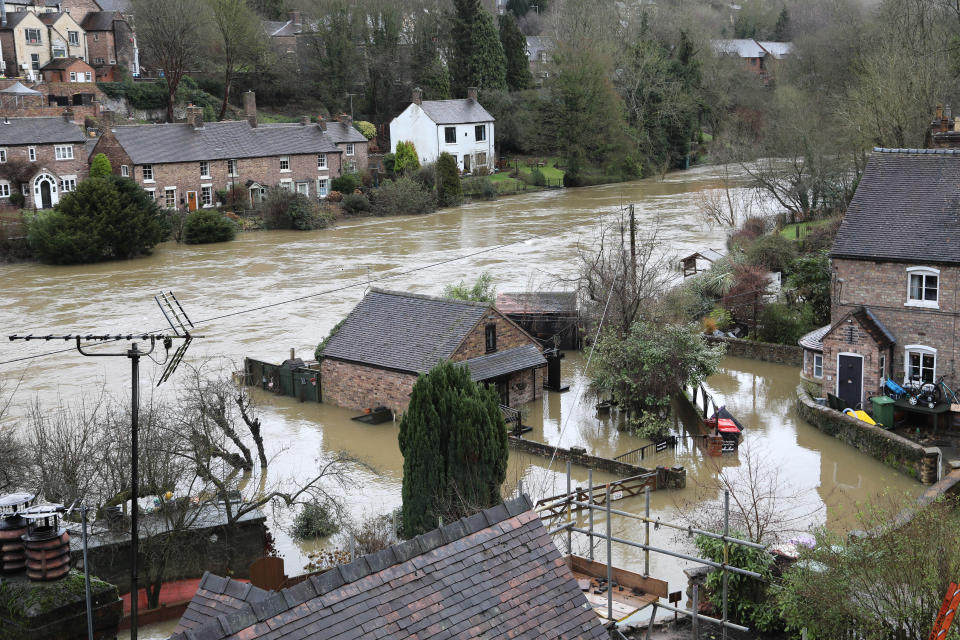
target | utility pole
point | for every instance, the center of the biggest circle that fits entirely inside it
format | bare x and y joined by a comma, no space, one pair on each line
177,319
633,247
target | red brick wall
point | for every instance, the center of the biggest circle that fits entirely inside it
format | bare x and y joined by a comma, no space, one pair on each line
508,337
356,386
359,155
882,286
100,46
80,112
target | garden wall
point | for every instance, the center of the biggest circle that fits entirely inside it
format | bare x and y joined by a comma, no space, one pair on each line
895,451
789,354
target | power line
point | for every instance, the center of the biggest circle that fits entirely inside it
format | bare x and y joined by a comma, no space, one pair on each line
317,294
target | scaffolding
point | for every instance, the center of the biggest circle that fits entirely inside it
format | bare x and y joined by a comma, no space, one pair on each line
569,502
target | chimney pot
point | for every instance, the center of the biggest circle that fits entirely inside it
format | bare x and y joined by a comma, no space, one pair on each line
472,93
294,17
346,119
250,107
304,120
322,123
417,96
947,114
195,117
68,115
292,354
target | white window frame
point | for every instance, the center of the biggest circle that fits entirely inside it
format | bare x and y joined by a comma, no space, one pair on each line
862,372
323,187
147,168
817,356
35,61
204,168
63,151
232,168
166,197
89,76
302,187
350,149
73,76
124,171
476,161
922,350
206,195
924,273
4,189
152,191
883,368
28,39
73,38
285,160
321,161
32,154
287,184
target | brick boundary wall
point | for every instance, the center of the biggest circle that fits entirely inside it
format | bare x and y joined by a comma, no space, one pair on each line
667,478
895,451
789,354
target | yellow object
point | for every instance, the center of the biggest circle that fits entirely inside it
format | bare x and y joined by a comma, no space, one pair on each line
860,415
168,495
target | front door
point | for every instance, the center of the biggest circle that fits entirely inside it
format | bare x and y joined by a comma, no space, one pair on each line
503,390
850,379
466,163
192,200
46,199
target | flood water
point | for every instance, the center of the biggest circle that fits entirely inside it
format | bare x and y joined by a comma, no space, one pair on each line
228,290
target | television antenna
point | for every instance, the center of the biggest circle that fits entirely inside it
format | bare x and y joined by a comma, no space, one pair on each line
181,325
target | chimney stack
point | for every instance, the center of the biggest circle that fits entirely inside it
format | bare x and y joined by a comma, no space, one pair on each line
417,96
345,119
294,17
195,116
304,121
250,107
472,93
293,354
68,114
956,124
321,123
939,112
947,114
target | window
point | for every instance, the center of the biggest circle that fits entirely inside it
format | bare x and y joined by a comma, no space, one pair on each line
481,159
490,333
32,36
32,154
323,187
148,173
35,61
73,76
4,189
170,197
481,132
883,369
152,192
64,151
922,285
3,156
286,184
74,38
817,365
321,161
125,171
349,148
89,76
204,169
96,37
351,166
231,167
59,50
450,135
68,184
921,363
304,188
98,61
206,195
284,163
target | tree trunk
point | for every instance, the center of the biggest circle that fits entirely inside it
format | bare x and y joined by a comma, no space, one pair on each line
227,79
173,82
153,590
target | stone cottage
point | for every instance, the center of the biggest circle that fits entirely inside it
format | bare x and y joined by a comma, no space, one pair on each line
390,338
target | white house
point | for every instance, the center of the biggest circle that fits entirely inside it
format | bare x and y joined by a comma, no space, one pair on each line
462,128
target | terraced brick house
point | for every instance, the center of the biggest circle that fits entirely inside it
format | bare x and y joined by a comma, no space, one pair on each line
390,338
895,279
41,158
111,43
184,165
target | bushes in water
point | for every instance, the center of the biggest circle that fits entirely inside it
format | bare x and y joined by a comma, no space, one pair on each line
285,209
356,203
449,187
204,226
402,196
315,520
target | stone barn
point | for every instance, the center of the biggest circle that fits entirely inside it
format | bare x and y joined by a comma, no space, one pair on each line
390,338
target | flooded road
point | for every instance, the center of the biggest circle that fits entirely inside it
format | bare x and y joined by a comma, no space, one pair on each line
233,293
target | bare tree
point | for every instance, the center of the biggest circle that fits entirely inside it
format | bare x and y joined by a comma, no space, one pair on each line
242,42
172,34
724,202
13,449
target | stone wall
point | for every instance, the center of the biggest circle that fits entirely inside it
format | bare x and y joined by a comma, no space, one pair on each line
790,354
356,386
895,451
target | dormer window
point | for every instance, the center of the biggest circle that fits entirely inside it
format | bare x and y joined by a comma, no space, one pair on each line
923,285
490,333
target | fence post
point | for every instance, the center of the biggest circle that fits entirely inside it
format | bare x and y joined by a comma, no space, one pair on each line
569,499
590,502
609,560
696,611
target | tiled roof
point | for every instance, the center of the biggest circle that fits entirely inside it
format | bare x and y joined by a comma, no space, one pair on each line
870,323
39,131
501,363
495,574
742,47
342,132
114,5
218,596
906,209
536,44
100,20
404,331
777,49
61,63
814,339
158,143
16,17
455,111
49,17
538,302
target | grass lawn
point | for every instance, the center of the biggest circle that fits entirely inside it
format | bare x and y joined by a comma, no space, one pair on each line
801,229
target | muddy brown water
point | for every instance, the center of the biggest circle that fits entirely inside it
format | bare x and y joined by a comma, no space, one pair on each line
542,230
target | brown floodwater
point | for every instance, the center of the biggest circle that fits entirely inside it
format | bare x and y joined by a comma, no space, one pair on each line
542,230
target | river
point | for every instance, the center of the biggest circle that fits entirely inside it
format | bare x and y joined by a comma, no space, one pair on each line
233,292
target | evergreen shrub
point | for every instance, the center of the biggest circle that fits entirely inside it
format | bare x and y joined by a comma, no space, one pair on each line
204,226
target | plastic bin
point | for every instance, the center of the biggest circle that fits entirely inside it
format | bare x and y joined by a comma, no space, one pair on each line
883,411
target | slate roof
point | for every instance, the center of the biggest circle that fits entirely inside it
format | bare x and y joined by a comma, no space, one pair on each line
496,574
114,5
16,17
538,302
814,339
777,49
455,111
501,363
906,209
743,47
218,596
100,20
341,132
39,131
159,143
870,323
404,331
536,44
50,17
61,63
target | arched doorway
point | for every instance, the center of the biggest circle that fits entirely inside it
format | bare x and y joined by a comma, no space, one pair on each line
45,194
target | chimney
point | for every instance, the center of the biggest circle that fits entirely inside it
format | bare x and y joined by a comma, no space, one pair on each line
472,93
304,121
345,119
195,116
939,112
417,96
294,17
321,123
956,124
250,107
293,354
68,114
947,115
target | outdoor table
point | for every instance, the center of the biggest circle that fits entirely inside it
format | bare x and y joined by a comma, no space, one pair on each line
934,414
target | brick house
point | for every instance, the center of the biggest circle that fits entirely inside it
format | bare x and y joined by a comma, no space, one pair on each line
184,165
390,338
111,44
896,278
30,40
72,70
41,158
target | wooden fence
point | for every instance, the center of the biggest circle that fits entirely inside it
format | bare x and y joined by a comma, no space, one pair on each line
556,506
301,383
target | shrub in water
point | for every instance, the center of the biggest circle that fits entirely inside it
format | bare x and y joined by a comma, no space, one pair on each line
449,187
284,209
355,203
315,520
402,197
204,226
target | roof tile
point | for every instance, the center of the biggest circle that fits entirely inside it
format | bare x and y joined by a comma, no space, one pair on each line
327,581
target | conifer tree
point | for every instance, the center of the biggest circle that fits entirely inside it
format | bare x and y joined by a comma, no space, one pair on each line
515,51
100,166
477,58
454,445
449,187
